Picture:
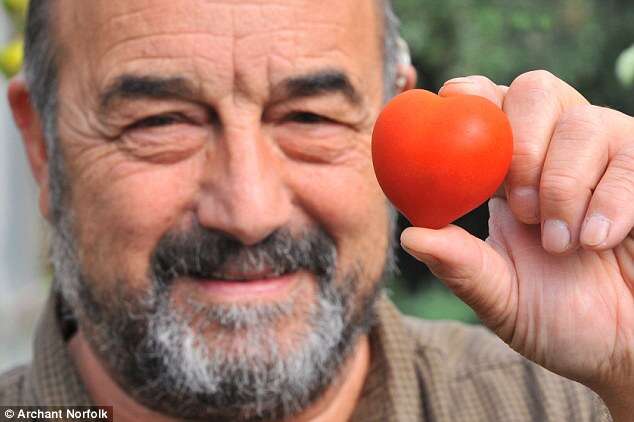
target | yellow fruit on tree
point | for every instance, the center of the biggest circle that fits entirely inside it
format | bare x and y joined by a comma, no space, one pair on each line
11,58
19,7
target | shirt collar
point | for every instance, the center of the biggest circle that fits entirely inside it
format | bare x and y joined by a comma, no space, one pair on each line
53,379
392,391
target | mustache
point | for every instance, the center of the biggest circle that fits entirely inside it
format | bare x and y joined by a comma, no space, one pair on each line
200,252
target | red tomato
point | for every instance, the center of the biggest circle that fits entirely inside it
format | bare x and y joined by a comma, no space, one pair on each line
438,158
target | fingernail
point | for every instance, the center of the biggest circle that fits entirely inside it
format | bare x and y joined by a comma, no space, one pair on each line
459,81
555,236
525,201
595,230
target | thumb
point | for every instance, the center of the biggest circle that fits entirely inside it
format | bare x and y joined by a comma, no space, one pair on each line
471,268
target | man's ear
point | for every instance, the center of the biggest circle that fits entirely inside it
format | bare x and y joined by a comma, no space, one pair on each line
28,122
406,73
407,77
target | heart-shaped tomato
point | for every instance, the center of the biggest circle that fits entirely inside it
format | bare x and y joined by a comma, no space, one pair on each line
438,158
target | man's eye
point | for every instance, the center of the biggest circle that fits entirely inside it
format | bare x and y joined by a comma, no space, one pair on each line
307,118
158,121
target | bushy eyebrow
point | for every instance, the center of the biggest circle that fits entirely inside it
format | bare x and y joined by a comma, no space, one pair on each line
143,87
320,83
131,87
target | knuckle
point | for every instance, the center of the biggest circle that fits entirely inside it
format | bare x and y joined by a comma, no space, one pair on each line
581,120
560,186
619,186
529,154
480,79
538,81
620,194
581,131
483,86
527,164
536,90
624,162
613,201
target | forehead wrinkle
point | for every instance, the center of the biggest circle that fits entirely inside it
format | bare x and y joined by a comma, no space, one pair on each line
103,34
168,46
189,61
252,19
298,47
255,20
207,16
117,20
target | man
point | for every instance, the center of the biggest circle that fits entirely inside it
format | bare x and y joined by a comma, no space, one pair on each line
220,242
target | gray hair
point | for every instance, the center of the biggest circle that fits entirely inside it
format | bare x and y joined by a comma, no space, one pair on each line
41,73
395,51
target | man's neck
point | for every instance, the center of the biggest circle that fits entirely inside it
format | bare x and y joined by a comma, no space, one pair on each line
337,404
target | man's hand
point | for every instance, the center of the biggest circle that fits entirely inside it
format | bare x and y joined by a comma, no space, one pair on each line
555,279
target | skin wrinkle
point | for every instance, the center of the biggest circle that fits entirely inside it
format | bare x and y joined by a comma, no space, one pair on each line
508,318
235,82
128,14
145,57
132,112
80,119
153,14
623,252
368,125
255,16
540,344
141,39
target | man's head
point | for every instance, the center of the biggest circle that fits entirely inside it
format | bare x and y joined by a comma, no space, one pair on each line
219,233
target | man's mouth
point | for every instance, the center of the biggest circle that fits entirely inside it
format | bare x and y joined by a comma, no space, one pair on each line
244,276
236,285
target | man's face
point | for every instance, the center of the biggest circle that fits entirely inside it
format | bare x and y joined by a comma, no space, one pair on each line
220,179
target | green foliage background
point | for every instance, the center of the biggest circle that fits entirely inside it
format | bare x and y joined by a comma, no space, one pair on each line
578,40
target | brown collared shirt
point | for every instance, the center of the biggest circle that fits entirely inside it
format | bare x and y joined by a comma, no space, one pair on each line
420,371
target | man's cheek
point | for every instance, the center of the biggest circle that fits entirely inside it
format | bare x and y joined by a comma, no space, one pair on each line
119,224
344,200
349,205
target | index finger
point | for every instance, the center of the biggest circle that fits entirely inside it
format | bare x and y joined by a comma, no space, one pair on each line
475,85
533,104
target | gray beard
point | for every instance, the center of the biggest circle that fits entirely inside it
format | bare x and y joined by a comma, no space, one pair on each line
164,359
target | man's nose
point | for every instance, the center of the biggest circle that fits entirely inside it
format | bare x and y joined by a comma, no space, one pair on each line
243,190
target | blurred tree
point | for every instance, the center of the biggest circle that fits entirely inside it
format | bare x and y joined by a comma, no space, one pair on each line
578,40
